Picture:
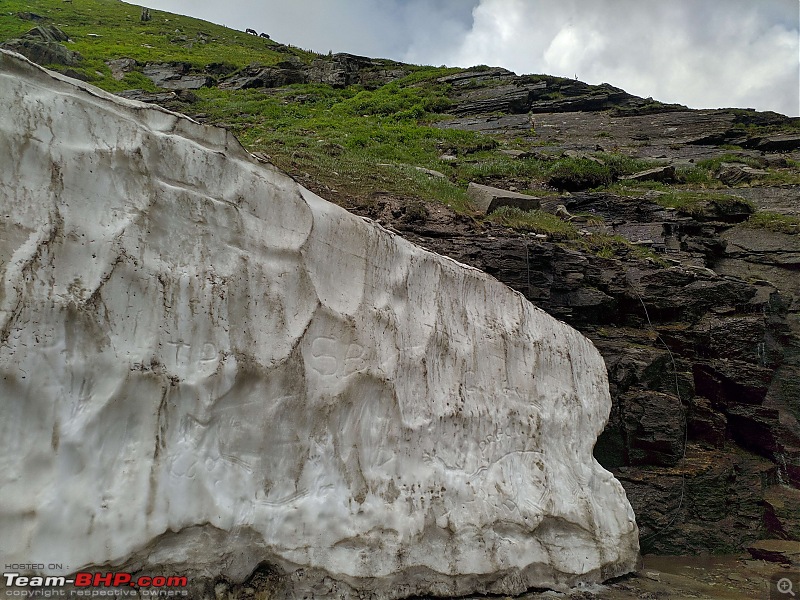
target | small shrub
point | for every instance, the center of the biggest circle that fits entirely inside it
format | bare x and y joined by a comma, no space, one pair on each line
712,164
696,176
436,103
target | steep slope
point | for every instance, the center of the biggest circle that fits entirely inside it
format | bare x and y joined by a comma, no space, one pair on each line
206,369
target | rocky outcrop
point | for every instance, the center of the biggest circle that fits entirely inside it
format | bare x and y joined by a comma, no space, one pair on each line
283,73
337,70
44,45
485,91
208,369
176,76
341,70
487,199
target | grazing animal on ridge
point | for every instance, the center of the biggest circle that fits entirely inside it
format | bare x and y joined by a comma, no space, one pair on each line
251,31
264,35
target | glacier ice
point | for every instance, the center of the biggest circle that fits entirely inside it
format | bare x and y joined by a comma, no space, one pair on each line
204,367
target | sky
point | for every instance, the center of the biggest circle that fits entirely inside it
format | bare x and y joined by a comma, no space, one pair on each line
701,53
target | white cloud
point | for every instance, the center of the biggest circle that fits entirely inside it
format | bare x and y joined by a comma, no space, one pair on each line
703,53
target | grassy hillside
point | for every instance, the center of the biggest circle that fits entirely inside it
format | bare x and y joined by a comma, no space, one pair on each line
351,141
106,29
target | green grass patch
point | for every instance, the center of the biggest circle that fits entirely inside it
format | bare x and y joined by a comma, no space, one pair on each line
773,221
696,202
536,221
712,164
107,29
607,245
697,176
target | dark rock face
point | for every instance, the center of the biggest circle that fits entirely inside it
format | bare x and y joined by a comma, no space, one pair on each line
488,199
43,45
341,70
256,76
338,70
704,421
481,91
703,357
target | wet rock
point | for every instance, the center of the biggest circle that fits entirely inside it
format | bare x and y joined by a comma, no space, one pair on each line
487,199
760,246
711,500
733,210
654,425
705,424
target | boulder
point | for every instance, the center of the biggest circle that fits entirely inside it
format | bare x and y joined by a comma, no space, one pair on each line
120,67
43,45
431,173
206,369
175,76
487,199
735,173
255,76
